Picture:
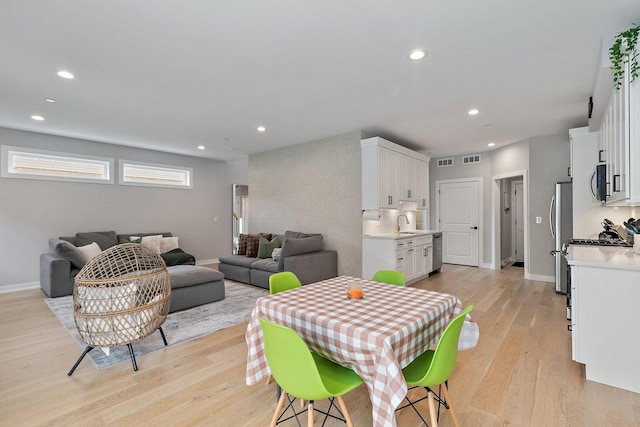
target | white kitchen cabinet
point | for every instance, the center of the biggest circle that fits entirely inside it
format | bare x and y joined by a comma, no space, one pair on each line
391,174
604,294
422,184
410,255
620,144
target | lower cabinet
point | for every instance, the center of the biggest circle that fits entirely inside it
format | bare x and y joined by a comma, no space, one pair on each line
413,256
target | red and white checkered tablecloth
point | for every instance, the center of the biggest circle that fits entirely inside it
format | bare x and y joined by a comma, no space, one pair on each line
376,336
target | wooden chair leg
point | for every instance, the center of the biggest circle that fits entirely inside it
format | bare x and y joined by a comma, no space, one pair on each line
343,408
269,380
278,409
432,410
445,391
310,413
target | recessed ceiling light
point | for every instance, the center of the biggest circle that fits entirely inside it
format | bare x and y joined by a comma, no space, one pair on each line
65,74
38,118
50,100
417,54
262,129
201,147
473,111
491,144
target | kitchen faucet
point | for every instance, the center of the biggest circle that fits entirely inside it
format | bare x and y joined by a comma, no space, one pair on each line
398,222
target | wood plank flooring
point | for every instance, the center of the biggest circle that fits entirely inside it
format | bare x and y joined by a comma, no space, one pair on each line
520,374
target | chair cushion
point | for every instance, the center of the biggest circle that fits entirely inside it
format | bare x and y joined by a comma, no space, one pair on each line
189,275
239,260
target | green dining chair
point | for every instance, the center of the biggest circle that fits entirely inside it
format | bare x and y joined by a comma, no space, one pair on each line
304,375
434,367
391,277
283,281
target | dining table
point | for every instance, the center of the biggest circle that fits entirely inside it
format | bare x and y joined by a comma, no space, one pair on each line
376,336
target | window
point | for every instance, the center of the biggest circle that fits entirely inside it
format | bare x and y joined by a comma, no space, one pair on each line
148,174
29,163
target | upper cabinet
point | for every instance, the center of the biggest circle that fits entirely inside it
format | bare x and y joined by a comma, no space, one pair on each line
392,174
619,145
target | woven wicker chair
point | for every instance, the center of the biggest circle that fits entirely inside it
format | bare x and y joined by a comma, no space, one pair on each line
119,297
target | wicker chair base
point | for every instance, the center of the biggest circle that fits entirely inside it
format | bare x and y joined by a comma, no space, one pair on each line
131,353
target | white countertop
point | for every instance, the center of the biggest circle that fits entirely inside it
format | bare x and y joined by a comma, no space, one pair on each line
395,236
603,256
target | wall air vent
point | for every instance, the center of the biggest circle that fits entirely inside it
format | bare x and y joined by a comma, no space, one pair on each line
445,162
467,160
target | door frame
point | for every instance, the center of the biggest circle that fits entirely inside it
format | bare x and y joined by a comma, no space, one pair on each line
478,179
514,227
495,213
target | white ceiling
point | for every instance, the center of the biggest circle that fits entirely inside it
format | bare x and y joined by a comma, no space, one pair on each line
172,75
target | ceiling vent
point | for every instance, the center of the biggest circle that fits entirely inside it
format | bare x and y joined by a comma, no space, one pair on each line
445,162
467,160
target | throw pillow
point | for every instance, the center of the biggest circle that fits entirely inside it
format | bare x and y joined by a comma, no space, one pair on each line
168,244
299,246
253,240
265,247
104,239
276,254
242,244
130,239
151,242
78,256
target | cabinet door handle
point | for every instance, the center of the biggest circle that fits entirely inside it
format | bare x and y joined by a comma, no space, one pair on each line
569,171
424,202
390,200
600,159
616,188
410,250
474,228
409,193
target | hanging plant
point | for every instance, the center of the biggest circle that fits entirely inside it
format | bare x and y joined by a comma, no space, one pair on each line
624,51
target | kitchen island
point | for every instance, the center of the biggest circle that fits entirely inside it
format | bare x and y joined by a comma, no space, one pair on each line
416,254
605,291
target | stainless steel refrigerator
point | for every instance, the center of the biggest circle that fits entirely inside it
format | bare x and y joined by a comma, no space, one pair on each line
561,226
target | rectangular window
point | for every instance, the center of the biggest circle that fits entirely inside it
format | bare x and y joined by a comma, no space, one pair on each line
152,175
29,163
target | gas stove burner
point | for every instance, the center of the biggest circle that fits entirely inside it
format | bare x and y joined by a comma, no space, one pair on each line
599,242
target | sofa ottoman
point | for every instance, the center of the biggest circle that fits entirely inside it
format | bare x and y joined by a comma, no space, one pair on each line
193,285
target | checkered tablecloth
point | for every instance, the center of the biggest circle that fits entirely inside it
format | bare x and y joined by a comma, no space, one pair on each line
376,336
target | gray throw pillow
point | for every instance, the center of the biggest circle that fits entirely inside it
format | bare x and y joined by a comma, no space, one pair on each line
104,239
78,256
299,246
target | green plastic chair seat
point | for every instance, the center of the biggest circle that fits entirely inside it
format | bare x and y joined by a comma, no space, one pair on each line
391,277
284,281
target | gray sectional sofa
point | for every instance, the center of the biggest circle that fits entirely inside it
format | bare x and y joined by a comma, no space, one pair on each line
191,285
301,253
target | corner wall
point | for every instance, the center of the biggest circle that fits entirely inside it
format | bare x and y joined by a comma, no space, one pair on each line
314,187
33,211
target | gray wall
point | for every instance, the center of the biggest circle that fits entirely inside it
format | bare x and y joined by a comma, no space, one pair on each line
546,158
312,187
549,160
32,211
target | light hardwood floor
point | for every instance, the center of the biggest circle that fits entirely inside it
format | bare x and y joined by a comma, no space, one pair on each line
520,374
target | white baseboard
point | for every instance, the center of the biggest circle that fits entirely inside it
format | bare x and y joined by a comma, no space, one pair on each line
540,278
207,261
19,287
486,265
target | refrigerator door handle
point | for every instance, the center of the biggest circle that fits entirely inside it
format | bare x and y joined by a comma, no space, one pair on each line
551,205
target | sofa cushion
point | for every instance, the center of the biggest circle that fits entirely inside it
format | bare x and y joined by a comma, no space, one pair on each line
265,247
104,239
266,264
299,246
239,260
299,235
189,275
78,256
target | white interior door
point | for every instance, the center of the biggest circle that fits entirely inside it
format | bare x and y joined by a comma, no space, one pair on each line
458,211
518,218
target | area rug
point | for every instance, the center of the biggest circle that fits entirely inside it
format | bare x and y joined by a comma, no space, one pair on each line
179,327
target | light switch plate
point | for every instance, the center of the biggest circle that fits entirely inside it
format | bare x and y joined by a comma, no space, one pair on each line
538,220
